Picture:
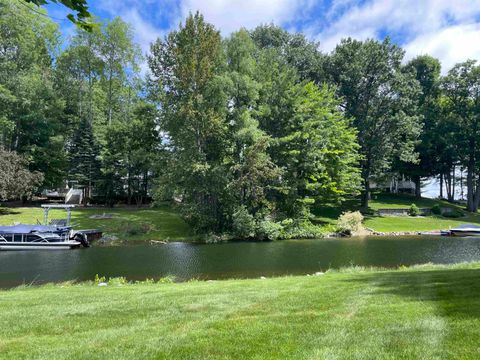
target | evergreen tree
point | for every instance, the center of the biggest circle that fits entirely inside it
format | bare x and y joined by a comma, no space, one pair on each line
84,158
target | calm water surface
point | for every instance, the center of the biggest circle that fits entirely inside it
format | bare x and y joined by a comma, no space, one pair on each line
230,260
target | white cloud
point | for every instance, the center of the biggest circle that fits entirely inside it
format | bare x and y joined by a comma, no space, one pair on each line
446,29
231,15
452,45
145,31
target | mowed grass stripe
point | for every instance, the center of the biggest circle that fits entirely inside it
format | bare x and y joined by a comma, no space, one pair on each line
416,313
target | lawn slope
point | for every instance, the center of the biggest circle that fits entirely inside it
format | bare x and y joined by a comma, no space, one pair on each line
424,312
329,214
128,224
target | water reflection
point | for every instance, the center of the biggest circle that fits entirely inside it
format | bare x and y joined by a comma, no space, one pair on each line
231,260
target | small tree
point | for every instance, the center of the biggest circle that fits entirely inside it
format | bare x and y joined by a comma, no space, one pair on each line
16,180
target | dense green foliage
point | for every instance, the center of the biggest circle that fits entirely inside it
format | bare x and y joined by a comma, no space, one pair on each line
247,134
15,178
249,142
461,104
382,100
428,312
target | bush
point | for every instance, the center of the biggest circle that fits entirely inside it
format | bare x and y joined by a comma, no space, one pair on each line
454,213
350,222
243,223
133,228
269,230
304,230
117,281
414,210
436,210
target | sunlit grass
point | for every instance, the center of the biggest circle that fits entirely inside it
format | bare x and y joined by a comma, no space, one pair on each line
163,223
329,214
419,313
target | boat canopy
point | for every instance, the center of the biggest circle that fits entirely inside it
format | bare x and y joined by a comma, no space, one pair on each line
468,226
25,229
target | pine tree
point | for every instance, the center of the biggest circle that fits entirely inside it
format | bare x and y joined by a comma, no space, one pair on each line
83,158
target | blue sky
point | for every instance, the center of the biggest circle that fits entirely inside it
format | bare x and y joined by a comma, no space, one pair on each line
447,29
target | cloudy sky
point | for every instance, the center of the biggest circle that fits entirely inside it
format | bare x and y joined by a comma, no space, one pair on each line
447,29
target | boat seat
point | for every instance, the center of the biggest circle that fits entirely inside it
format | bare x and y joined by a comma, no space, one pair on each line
58,222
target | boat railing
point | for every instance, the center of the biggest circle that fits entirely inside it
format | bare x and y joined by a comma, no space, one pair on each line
40,238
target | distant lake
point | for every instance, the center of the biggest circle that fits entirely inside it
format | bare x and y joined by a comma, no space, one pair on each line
231,260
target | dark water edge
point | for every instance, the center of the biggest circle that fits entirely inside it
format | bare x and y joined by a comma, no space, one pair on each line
186,261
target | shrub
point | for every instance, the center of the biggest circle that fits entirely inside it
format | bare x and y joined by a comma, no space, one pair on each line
117,281
166,280
414,210
133,228
269,230
304,230
243,223
454,213
350,222
436,210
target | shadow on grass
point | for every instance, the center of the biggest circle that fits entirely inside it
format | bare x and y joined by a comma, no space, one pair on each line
454,292
8,211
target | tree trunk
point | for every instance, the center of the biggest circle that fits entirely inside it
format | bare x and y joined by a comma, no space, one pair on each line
448,185
470,182
476,200
418,186
129,189
110,95
441,186
366,194
453,184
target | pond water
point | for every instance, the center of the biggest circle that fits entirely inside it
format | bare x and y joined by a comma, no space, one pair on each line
231,260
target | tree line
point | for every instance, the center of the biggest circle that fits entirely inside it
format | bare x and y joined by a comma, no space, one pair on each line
247,134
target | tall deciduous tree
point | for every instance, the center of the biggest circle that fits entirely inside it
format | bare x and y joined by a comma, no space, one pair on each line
381,100
252,169
30,110
427,72
320,148
120,56
294,49
461,88
187,67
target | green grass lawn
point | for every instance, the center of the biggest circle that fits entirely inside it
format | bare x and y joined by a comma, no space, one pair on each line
329,214
164,223
416,313
160,223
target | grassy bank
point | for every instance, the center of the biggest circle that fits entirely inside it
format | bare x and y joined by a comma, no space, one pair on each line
329,215
129,224
164,222
423,312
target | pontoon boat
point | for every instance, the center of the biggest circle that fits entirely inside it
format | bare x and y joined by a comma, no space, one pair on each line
36,237
466,230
